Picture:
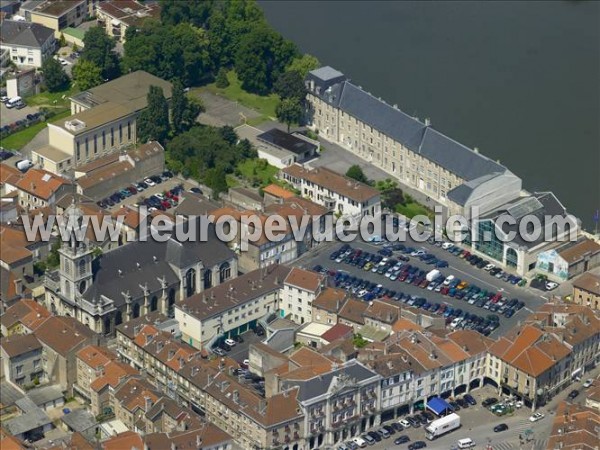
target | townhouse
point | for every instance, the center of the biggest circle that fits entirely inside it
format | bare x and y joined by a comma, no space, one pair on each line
558,344
22,360
28,44
300,288
410,150
574,427
231,308
39,188
586,291
338,193
91,362
23,317
327,304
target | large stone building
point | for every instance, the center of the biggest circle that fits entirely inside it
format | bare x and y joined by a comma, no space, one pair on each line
412,151
103,121
134,279
586,291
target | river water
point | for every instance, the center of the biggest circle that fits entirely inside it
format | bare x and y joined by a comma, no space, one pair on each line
519,80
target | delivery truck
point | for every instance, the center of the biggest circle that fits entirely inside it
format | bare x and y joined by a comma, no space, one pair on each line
442,426
433,275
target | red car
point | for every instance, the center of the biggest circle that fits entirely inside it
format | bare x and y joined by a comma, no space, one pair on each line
445,290
132,190
441,310
424,284
496,297
165,204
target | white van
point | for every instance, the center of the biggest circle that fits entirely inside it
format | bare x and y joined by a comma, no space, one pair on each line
466,443
13,102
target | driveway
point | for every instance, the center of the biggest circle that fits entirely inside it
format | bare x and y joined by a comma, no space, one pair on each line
220,111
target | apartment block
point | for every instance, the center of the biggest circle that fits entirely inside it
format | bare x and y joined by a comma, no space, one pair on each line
58,14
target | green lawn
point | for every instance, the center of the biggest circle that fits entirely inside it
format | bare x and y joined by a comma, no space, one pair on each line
413,209
57,99
265,105
257,171
21,138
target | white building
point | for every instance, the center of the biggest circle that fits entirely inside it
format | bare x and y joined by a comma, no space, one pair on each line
339,193
28,44
300,289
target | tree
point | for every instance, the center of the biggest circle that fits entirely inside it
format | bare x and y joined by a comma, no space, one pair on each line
196,12
289,111
75,48
86,74
183,111
356,173
98,48
62,41
153,123
303,65
290,85
262,57
222,81
55,77
216,180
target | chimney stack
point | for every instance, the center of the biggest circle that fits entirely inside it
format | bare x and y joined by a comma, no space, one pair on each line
18,286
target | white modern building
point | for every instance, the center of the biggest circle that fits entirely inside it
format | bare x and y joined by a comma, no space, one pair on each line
28,44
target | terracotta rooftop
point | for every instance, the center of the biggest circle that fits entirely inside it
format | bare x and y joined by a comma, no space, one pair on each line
304,279
9,175
575,427
63,334
382,312
132,393
334,182
131,217
127,440
297,207
278,191
41,183
470,341
114,372
338,331
28,313
405,325
19,344
580,250
330,299
306,357
588,282
95,356
353,311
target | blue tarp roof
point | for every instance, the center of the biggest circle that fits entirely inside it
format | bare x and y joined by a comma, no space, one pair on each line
438,405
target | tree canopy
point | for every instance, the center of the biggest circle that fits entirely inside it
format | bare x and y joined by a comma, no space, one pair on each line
183,111
290,84
99,49
86,74
262,57
289,111
207,154
304,64
356,173
169,51
153,123
55,77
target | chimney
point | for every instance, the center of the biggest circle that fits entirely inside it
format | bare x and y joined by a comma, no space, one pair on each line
18,286
262,407
236,396
195,370
171,354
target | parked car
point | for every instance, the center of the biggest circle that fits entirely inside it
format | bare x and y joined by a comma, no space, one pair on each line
417,445
402,440
219,352
489,402
573,394
230,342
536,416
588,383
469,399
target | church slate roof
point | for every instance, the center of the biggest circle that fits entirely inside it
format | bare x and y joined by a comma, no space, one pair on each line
142,263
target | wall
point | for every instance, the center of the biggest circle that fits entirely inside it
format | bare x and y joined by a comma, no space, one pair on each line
31,364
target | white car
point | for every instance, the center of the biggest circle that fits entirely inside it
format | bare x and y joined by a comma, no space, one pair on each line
63,62
447,245
537,416
588,383
489,267
551,285
149,182
360,442
230,342
405,423
448,280
418,253
519,404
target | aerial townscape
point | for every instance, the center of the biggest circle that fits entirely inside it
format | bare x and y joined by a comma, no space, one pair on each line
129,113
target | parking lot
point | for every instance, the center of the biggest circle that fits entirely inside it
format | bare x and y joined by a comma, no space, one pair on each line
457,267
11,115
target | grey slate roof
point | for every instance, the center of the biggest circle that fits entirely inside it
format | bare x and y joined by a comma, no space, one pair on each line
79,420
170,256
320,385
409,131
32,418
461,193
45,394
25,34
326,73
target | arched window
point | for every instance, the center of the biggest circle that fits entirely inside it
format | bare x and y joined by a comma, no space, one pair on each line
154,303
136,310
207,278
81,267
224,272
190,282
82,286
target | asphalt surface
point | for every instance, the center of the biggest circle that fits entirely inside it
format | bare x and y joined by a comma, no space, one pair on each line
459,268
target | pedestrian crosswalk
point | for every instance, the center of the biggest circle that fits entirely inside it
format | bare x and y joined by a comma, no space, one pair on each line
534,444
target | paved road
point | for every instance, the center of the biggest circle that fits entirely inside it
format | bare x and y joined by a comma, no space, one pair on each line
457,267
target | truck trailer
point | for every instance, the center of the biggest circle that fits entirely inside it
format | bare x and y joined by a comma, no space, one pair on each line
433,275
442,426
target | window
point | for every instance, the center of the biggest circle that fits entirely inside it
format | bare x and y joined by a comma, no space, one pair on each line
120,132
78,150
87,148
103,138
19,369
128,130
112,137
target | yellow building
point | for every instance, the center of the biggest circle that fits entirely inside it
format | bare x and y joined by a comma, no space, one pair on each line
58,14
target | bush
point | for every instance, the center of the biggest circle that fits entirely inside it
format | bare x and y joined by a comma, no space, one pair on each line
222,81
